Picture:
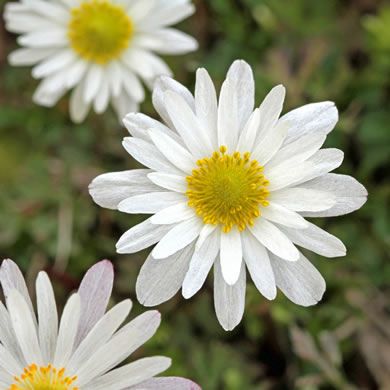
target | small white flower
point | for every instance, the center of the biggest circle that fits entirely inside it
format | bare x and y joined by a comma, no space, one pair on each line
230,186
101,48
81,350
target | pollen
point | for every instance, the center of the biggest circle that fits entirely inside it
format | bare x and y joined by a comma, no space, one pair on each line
228,190
99,31
43,378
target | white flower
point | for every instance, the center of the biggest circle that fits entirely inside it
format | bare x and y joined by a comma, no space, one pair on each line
80,351
101,48
230,186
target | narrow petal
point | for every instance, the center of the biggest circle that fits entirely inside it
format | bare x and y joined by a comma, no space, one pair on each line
228,121
283,216
350,194
259,265
317,240
249,133
141,236
93,80
78,109
201,263
177,213
68,330
242,76
315,117
24,327
206,105
229,301
270,110
159,280
47,317
204,233
178,237
150,203
274,240
166,383
299,281
109,189
163,84
231,256
178,155
269,145
95,291
303,199
171,182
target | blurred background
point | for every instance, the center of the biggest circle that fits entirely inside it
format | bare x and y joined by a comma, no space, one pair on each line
335,50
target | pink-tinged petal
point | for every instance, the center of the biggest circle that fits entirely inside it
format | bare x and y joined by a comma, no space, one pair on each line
12,278
95,291
168,383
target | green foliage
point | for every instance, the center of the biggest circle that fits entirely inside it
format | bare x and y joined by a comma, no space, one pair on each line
320,50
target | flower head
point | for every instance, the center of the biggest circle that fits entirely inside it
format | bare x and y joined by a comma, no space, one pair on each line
230,186
81,350
101,48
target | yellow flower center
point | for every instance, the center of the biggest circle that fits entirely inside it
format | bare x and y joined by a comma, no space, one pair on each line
43,378
99,31
228,189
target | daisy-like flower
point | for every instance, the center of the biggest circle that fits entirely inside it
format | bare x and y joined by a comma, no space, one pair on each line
230,186
101,48
79,351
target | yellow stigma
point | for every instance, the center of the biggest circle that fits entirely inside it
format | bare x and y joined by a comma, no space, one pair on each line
99,31
228,189
43,378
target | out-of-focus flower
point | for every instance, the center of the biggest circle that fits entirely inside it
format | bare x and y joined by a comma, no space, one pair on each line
230,186
101,48
81,351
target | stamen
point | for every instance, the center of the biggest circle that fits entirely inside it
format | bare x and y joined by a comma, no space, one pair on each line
99,31
228,189
43,378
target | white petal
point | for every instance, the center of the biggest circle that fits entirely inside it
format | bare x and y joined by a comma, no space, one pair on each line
206,105
324,161
163,84
148,155
150,203
284,216
270,109
170,182
167,383
159,280
259,266
350,194
274,240
173,214
23,57
303,199
299,281
44,39
24,327
93,80
270,143
231,255
123,104
299,150
95,291
68,329
47,316
141,236
249,133
77,107
229,301
55,63
100,334
126,341
201,263
242,76
194,135
109,189
204,233
228,120
102,97
133,85
179,156
130,374
9,363
178,237
316,117
317,240
75,73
